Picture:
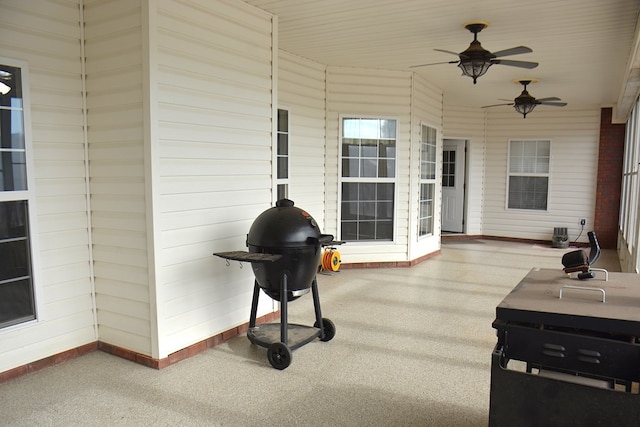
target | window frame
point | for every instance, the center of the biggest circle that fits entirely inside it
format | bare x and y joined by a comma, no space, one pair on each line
392,180
547,175
427,181
28,195
279,182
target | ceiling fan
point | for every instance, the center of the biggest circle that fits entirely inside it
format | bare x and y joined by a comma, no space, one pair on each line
475,61
525,103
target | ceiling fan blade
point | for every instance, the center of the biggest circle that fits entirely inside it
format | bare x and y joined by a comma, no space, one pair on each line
434,63
495,105
447,51
553,98
513,51
553,104
521,64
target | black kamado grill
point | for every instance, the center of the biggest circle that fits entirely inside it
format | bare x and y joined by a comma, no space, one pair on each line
285,247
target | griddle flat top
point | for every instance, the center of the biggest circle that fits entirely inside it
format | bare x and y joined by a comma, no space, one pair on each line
536,299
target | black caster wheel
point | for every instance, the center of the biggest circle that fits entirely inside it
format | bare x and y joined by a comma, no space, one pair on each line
279,355
329,329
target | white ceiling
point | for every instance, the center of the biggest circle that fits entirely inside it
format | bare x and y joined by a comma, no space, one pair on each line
584,47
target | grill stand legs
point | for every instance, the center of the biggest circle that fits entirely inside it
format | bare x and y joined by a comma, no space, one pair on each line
280,339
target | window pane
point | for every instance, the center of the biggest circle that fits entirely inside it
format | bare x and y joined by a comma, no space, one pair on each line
350,168
15,259
384,230
14,248
368,168
11,129
386,168
349,211
350,147
13,220
387,149
388,129
528,192
283,144
16,302
349,230
384,210
366,230
283,191
11,77
385,191
350,191
283,167
369,148
283,120
351,128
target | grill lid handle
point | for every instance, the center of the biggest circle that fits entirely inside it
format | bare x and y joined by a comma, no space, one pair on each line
284,203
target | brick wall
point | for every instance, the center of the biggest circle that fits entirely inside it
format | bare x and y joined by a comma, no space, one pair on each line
610,158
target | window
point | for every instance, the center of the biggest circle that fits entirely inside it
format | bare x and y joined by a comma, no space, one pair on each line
368,179
449,168
282,155
16,284
427,179
528,183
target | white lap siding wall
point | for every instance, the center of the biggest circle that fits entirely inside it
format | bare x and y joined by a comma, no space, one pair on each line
46,36
211,85
574,135
115,103
469,124
301,90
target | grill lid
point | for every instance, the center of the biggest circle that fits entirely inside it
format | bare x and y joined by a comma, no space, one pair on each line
285,225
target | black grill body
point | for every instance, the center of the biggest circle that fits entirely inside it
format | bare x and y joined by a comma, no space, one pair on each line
285,248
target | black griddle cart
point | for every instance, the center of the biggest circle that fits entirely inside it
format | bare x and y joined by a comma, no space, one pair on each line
568,352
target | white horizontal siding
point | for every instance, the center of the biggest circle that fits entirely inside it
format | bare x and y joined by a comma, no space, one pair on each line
301,90
378,93
574,135
212,157
114,74
46,35
469,124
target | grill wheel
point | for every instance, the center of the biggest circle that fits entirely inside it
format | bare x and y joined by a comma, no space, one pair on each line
279,355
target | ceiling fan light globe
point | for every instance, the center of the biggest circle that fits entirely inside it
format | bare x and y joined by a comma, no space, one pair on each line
474,69
524,108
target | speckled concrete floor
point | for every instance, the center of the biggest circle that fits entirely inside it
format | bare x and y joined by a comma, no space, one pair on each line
412,348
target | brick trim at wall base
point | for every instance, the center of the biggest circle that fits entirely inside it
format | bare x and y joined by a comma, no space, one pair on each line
48,361
133,356
389,264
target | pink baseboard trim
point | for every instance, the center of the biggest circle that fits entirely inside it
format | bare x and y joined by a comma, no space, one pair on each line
131,355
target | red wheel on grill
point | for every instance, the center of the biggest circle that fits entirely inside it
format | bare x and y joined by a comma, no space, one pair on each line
279,355
329,329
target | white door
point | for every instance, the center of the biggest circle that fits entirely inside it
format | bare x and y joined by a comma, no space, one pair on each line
453,169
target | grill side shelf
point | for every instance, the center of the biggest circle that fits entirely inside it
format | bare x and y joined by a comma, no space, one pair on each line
244,256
